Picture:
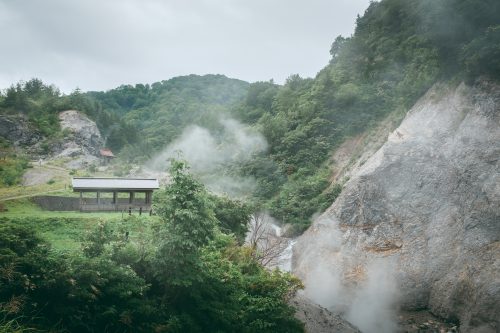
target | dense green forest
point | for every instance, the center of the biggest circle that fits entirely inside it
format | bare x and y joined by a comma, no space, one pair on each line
161,111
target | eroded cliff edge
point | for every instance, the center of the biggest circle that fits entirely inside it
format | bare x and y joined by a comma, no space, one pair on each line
418,225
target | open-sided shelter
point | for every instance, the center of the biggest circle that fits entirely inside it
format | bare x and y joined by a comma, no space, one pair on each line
115,186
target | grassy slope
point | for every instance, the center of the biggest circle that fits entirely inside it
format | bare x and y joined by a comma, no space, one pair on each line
63,230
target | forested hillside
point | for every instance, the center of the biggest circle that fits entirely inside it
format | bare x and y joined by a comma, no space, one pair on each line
41,103
161,111
399,49
135,121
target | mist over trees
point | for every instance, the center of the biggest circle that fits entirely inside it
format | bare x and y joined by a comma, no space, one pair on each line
398,51
162,110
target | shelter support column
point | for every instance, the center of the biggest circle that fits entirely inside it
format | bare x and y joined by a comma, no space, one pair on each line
114,201
98,198
131,197
81,201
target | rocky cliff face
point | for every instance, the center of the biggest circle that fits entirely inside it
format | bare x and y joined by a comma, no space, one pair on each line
82,140
418,225
82,130
79,144
17,130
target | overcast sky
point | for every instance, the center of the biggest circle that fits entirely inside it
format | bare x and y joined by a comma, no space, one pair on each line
101,44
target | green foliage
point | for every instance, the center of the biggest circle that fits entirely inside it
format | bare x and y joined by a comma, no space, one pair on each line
12,169
252,299
122,281
96,240
36,100
232,215
482,55
303,196
106,296
189,223
12,325
46,289
161,111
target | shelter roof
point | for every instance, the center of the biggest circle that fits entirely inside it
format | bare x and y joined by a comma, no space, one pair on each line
124,184
106,152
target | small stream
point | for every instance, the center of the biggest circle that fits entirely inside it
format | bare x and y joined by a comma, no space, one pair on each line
270,236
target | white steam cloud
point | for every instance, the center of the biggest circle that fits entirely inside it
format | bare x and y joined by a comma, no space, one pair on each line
362,287
372,309
208,154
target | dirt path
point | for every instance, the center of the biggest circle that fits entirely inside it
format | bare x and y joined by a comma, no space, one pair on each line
41,174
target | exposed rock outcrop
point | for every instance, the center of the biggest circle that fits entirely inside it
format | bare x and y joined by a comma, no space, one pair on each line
80,144
82,140
420,219
84,132
317,319
19,131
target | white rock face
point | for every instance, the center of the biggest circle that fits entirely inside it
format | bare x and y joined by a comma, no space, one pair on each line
418,226
83,142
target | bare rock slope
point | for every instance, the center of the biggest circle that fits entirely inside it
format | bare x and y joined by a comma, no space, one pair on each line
418,225
82,141
17,130
317,319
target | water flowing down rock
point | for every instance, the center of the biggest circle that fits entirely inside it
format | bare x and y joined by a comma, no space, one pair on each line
418,226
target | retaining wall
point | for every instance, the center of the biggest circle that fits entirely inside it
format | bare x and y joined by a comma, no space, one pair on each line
57,203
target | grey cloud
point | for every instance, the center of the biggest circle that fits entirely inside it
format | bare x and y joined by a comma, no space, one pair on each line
98,44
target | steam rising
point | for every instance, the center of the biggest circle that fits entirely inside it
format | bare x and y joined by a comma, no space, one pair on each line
363,288
372,309
209,154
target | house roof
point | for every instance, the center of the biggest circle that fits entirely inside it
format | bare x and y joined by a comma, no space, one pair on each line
119,184
106,152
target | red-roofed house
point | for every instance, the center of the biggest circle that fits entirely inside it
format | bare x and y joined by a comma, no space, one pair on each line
106,155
